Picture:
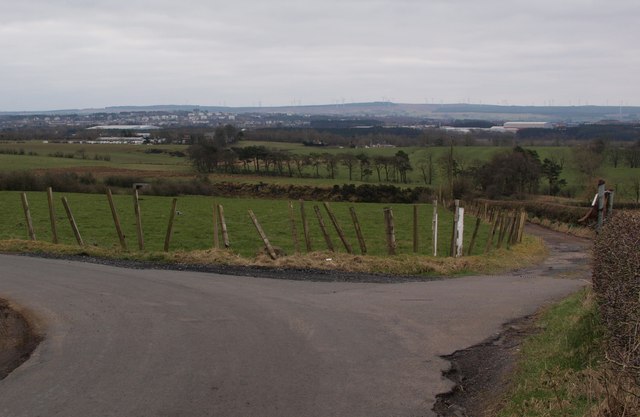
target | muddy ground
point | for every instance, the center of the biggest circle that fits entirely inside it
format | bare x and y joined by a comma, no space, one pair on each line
18,339
482,372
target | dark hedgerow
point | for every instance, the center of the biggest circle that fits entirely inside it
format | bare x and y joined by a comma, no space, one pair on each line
87,183
616,281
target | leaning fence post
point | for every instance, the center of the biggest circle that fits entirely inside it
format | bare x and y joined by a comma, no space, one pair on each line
172,216
223,226
336,226
323,228
136,209
504,222
294,229
390,230
27,215
305,227
116,220
72,221
52,216
270,250
356,225
473,236
523,219
512,230
492,233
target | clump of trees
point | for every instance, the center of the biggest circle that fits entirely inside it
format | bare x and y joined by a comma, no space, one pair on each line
515,172
217,156
208,151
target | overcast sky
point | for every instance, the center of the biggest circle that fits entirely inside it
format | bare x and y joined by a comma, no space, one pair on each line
95,53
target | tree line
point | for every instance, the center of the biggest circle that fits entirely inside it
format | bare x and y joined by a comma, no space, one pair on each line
206,157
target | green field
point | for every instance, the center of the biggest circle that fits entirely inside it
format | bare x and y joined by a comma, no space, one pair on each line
193,228
137,159
128,157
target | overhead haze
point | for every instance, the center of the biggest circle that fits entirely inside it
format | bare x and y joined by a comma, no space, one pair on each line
87,53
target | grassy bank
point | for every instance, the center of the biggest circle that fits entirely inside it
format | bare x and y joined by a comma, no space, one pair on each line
529,253
557,372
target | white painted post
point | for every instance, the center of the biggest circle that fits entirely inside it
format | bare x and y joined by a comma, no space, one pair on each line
434,227
459,232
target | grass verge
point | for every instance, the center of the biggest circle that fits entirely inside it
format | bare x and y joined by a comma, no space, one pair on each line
530,252
558,370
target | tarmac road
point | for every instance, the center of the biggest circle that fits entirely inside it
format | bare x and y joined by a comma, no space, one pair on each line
128,343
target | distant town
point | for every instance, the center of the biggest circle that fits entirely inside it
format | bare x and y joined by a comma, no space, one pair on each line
380,122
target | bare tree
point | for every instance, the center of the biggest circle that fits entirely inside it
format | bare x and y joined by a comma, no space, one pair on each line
426,167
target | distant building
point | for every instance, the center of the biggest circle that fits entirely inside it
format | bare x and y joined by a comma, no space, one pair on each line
124,127
515,126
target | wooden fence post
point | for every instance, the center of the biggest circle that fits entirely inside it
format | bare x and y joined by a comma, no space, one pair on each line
356,225
136,209
270,250
27,215
323,228
116,219
223,226
460,233
294,229
336,226
601,189
390,230
492,233
216,231
305,227
52,216
504,221
434,227
172,216
72,221
454,229
512,229
523,220
473,237
416,242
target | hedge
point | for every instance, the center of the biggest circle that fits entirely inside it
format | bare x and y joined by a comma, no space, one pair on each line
616,282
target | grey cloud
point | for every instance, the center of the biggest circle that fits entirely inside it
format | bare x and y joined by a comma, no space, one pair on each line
96,53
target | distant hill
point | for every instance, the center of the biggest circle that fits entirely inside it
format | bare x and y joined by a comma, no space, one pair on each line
389,109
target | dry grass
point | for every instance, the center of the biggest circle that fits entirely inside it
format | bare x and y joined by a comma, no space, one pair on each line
530,252
578,231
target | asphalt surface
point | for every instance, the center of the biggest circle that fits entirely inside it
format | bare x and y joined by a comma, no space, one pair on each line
131,342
